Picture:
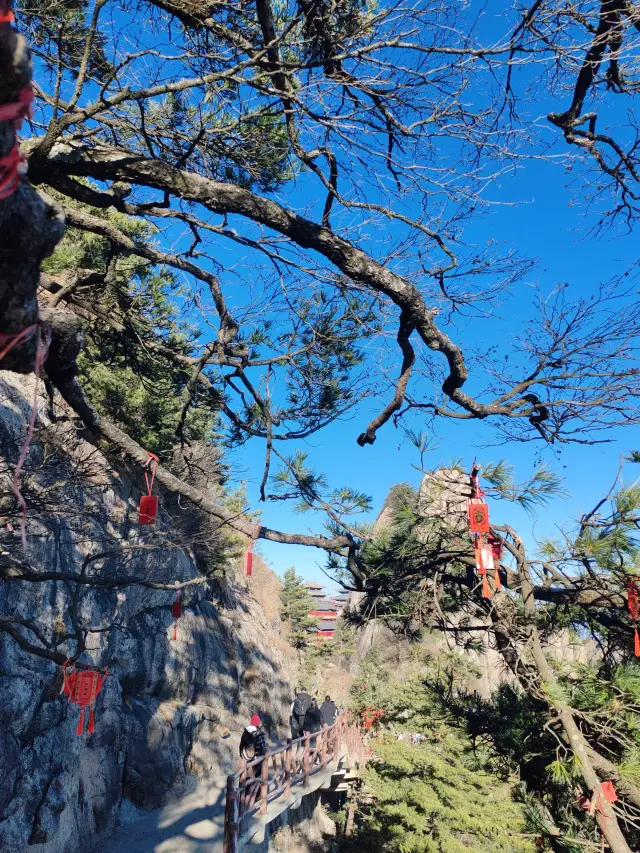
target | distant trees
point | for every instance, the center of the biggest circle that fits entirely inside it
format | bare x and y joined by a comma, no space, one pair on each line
295,604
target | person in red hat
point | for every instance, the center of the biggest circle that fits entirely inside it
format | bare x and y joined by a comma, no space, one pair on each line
253,743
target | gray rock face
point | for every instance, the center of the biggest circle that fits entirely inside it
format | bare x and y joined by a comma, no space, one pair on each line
166,706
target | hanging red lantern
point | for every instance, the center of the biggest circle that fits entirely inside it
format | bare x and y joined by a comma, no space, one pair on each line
478,516
82,687
176,612
149,502
484,561
250,559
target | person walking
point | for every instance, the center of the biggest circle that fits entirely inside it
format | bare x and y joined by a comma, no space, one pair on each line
253,743
299,709
312,721
329,711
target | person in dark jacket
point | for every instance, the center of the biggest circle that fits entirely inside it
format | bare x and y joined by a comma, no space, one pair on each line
253,743
313,721
329,711
299,709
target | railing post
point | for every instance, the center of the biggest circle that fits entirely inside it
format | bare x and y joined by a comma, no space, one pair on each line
264,784
323,752
243,787
306,760
231,817
287,769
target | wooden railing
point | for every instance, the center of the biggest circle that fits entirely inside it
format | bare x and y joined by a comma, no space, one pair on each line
263,780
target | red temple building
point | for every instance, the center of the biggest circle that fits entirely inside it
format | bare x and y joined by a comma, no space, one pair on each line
325,609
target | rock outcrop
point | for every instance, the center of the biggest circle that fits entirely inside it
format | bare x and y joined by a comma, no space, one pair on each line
170,713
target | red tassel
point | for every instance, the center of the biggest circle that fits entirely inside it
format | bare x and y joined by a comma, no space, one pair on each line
486,591
250,560
496,578
175,631
609,791
92,727
80,728
636,642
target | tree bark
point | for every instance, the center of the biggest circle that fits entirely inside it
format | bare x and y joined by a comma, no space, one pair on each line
74,396
111,164
30,224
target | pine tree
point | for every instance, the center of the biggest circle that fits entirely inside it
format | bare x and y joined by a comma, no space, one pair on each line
296,602
439,795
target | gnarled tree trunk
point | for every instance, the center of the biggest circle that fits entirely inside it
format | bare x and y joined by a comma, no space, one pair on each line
30,224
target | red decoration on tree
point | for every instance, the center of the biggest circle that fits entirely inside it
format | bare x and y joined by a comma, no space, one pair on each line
496,552
484,561
250,559
632,600
609,792
478,516
82,687
371,716
176,612
149,502
496,547
634,613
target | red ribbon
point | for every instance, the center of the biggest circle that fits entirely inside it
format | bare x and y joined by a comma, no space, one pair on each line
42,348
15,112
249,568
153,461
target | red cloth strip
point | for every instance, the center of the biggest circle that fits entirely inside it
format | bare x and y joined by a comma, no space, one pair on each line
153,461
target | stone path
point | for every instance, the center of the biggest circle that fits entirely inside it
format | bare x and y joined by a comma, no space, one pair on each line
194,825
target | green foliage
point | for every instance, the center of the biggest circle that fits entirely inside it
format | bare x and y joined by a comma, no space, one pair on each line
295,604
430,797
137,388
429,801
524,740
537,490
295,479
344,643
147,411
417,579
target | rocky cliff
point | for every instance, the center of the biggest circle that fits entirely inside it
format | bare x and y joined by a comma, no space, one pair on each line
170,713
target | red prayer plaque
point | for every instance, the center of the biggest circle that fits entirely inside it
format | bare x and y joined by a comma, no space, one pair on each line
478,517
148,509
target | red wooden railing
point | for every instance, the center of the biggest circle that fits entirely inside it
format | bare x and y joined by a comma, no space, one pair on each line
263,780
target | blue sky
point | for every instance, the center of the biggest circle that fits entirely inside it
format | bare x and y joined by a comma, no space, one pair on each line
535,210
546,225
